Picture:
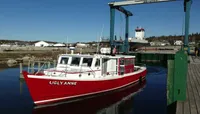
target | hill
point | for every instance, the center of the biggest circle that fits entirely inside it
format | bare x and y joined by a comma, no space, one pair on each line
194,37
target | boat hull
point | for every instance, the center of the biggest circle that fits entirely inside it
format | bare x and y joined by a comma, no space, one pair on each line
136,45
46,91
121,98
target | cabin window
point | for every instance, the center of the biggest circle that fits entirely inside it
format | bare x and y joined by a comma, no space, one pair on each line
97,64
75,61
127,61
64,60
87,62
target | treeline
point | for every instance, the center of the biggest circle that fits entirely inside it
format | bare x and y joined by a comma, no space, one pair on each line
194,37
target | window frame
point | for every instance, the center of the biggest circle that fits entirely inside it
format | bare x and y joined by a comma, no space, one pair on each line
71,64
85,62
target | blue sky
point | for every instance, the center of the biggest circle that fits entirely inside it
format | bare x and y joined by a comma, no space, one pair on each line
78,20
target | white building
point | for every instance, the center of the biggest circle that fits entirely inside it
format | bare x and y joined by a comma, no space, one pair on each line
178,42
5,45
59,45
41,44
139,33
81,45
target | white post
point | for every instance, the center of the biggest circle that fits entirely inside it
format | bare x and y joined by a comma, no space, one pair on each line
54,63
28,66
49,64
72,51
20,65
39,66
32,67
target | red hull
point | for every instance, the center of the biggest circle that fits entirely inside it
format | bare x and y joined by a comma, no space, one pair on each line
122,98
44,92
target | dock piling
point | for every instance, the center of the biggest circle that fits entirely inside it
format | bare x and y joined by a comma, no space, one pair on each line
32,66
21,68
39,66
49,64
54,63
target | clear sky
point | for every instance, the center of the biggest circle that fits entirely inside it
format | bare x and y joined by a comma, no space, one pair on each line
83,20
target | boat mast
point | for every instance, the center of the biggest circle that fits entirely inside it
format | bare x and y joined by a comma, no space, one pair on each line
67,45
98,42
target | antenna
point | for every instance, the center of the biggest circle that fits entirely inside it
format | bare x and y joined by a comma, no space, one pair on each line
99,39
67,45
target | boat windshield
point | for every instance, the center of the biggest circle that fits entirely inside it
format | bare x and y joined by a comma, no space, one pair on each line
64,60
75,61
87,62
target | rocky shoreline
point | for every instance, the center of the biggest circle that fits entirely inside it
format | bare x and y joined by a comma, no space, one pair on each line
12,58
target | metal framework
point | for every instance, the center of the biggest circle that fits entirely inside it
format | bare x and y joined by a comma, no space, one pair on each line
187,7
117,5
135,2
112,26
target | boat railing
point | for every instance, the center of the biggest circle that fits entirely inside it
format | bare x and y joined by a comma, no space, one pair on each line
113,73
39,66
92,71
140,64
63,72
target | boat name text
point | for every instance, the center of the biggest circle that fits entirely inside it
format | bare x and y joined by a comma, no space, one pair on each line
61,83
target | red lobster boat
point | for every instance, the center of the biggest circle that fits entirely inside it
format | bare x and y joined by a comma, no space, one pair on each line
79,75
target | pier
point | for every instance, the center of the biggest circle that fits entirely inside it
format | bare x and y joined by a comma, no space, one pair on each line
192,103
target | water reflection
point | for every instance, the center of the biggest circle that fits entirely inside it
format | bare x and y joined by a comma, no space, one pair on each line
118,102
21,82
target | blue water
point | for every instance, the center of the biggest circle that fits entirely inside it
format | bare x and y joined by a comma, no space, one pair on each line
15,97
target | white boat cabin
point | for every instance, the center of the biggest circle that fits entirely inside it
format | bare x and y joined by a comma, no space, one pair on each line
94,65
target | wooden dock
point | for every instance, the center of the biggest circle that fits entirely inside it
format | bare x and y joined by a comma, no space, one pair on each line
192,103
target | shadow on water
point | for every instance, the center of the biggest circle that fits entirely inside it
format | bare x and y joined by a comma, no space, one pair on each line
150,97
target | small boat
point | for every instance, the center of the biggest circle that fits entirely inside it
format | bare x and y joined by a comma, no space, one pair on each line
80,75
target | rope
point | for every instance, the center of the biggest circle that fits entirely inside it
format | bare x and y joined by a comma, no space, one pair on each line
121,26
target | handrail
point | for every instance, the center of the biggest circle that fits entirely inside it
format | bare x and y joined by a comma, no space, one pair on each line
31,65
140,64
65,70
93,72
43,64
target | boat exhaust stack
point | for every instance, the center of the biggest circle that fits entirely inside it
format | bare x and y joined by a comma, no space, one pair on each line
72,49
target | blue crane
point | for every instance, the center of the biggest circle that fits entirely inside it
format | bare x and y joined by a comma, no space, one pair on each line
118,6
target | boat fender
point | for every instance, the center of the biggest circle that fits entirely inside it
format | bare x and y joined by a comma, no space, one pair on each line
107,73
79,75
88,74
114,51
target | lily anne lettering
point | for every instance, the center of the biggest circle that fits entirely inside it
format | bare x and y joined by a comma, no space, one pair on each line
61,83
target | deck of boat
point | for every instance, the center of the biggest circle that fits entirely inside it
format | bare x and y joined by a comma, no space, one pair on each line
192,103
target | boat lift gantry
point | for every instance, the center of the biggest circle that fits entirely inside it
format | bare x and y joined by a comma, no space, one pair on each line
118,6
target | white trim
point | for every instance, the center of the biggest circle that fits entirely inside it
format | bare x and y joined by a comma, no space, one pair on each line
43,101
92,79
